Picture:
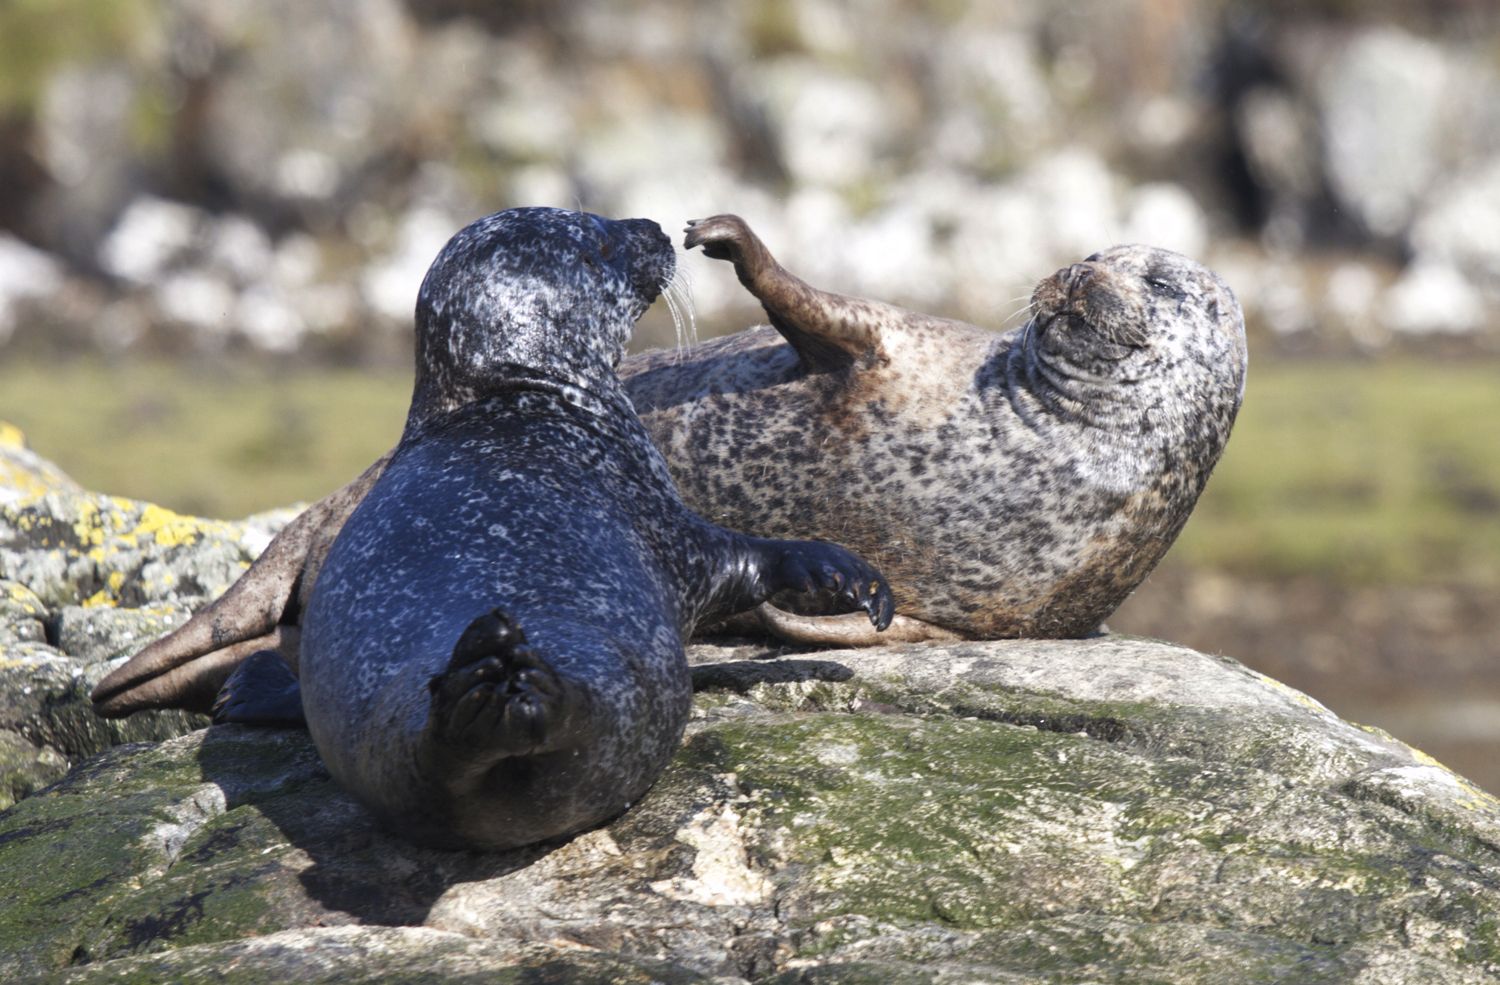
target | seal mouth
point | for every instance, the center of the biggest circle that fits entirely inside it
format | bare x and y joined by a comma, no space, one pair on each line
1089,297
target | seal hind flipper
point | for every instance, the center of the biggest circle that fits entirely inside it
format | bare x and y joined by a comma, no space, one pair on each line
845,629
191,683
261,691
829,331
187,667
497,699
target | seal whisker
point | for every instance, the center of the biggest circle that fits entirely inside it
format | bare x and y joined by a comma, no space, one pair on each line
1019,311
679,296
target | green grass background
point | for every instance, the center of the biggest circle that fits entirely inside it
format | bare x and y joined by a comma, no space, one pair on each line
1362,472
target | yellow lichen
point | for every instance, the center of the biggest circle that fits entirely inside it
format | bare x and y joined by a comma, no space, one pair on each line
11,436
22,595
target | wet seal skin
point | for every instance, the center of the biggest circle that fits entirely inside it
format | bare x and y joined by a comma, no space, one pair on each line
1018,484
491,653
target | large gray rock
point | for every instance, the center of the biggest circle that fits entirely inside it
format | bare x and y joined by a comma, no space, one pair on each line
1105,810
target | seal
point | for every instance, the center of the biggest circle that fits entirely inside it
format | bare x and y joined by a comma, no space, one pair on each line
1009,485
492,652
1018,484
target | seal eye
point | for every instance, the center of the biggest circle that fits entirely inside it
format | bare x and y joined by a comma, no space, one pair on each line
1162,287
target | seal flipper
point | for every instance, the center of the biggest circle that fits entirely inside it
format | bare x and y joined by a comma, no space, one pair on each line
497,699
186,668
261,691
845,629
759,568
829,331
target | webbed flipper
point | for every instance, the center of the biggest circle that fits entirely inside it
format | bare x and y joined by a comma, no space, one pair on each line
186,668
261,691
829,331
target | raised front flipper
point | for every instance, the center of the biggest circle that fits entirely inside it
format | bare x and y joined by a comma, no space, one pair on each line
187,667
829,331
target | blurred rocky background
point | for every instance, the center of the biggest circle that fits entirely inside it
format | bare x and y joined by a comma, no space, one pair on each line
210,210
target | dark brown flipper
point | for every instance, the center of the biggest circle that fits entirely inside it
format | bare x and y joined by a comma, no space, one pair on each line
185,668
829,331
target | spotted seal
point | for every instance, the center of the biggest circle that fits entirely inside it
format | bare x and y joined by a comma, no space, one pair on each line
1009,485
1017,484
492,653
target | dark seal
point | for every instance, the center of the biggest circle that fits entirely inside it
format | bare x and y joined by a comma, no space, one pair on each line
492,653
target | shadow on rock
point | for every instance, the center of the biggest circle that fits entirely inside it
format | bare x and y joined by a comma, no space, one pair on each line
741,676
348,868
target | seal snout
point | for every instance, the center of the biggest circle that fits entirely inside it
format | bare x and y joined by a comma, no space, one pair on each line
1097,300
654,260
1076,276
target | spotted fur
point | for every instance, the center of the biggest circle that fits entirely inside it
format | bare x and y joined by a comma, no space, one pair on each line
1010,485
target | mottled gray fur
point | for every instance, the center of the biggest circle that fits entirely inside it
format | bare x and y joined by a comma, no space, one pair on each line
1009,485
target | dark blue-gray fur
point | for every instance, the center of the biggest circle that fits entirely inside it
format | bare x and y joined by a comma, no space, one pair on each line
525,483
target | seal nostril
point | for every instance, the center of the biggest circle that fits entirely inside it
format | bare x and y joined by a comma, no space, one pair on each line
1077,275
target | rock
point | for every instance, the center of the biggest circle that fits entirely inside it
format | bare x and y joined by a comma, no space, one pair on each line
85,582
1102,810
1432,298
26,273
1382,102
833,126
1165,215
47,723
1109,809
1460,228
151,237
23,473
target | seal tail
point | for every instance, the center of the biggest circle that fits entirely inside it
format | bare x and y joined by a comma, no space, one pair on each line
499,698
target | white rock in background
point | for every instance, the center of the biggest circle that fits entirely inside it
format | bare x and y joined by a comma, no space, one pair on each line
1461,227
1432,298
390,284
995,103
240,248
1383,100
832,126
269,319
648,147
1075,196
1350,296
26,273
1278,291
1165,215
149,237
199,299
